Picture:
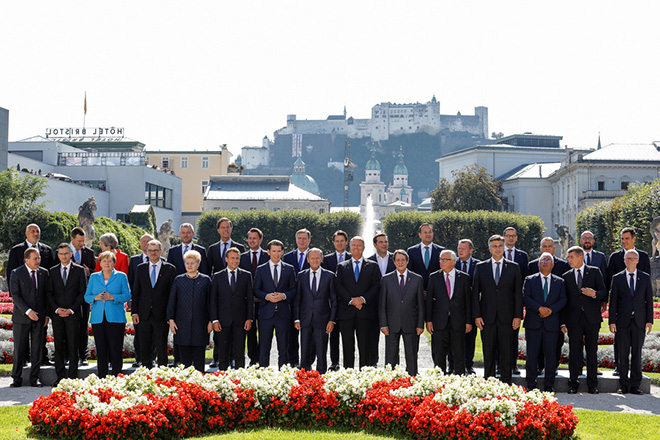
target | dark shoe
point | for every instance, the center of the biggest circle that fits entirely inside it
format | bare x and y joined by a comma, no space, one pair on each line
549,389
636,391
593,390
469,371
540,371
36,384
334,367
84,363
213,364
623,390
515,371
136,365
256,364
47,363
450,371
171,365
572,391
599,373
57,382
616,372
15,384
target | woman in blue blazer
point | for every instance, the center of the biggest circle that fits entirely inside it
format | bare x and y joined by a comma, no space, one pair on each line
107,292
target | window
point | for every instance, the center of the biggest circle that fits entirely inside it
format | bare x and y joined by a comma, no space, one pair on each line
205,162
184,161
124,217
205,184
157,196
601,186
624,185
165,162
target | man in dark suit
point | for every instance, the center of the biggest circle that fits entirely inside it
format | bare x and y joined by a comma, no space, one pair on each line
176,253
330,261
544,295
217,251
275,286
217,262
585,290
16,253
631,311
133,264
497,307
250,260
401,312
559,266
466,263
66,291
232,310
520,257
297,259
424,257
83,256
616,264
383,256
449,311
28,286
151,293
357,285
315,310
591,256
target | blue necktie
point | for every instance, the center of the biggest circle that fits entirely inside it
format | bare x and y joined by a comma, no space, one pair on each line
233,281
632,284
427,257
77,255
153,275
497,272
301,261
357,270
185,249
224,250
314,288
340,258
545,289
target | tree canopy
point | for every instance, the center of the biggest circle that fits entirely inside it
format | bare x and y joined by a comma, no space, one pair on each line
472,189
18,205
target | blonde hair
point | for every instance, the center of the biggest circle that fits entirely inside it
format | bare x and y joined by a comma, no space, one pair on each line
108,254
193,255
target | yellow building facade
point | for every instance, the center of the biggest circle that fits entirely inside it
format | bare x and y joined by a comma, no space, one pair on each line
194,168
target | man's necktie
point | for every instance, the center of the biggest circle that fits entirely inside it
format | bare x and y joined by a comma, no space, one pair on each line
153,275
232,283
340,258
545,289
254,261
224,250
632,283
185,249
145,259
34,279
497,272
77,256
589,259
509,254
402,284
276,277
427,257
357,270
301,260
448,285
314,288
465,267
64,277
579,279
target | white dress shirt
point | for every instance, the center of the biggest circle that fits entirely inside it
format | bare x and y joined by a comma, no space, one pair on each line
382,263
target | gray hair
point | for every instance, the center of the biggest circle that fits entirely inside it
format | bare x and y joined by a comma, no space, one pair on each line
451,253
632,251
109,239
31,225
315,250
548,239
156,242
576,250
357,237
401,252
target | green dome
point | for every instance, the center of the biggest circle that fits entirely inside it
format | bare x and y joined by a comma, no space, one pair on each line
400,169
306,182
373,163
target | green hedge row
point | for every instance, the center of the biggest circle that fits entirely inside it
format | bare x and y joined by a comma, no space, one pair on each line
281,225
636,209
451,226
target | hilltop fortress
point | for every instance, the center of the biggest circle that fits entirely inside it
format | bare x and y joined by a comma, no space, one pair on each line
392,119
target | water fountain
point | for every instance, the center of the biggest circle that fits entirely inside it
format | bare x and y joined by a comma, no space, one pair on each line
369,228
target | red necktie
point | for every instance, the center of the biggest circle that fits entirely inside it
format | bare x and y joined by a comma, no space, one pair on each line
254,261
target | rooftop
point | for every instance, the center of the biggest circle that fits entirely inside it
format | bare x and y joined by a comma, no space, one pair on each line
532,171
626,153
256,188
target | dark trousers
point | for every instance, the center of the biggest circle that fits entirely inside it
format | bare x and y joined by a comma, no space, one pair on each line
470,339
65,334
83,333
294,345
363,330
514,348
545,342
497,337
447,341
137,346
28,338
253,338
192,355
153,332
335,336
410,346
583,335
630,337
231,345
281,328
109,338
314,341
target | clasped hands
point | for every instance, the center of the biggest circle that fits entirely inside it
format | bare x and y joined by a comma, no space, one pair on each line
357,302
104,296
275,297
544,312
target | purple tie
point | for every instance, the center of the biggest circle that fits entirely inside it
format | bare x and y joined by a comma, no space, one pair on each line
34,279
509,252
448,285
402,284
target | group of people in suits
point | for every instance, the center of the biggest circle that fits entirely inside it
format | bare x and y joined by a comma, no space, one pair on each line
311,302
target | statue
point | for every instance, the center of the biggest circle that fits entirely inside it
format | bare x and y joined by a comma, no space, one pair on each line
86,220
565,238
654,227
164,234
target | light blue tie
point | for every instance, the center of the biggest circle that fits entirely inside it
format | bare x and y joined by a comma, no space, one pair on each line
357,270
301,261
340,258
153,275
427,257
77,255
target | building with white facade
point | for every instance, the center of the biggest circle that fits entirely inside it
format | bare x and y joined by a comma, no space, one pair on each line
254,157
4,138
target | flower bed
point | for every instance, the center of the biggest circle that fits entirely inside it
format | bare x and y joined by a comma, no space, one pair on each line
170,403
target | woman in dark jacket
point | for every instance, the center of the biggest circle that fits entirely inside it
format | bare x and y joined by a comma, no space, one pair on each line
188,312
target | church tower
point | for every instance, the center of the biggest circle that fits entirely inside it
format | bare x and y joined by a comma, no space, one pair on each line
399,190
372,185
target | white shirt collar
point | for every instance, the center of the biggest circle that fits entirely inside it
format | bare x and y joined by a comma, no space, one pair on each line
628,273
405,274
361,260
160,263
422,247
229,274
36,245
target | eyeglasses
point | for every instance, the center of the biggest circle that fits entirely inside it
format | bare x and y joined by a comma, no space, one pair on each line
446,259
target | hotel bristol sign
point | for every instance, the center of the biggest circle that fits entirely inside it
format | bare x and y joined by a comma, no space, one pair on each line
86,133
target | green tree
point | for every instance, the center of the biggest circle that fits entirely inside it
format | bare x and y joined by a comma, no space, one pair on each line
473,189
18,205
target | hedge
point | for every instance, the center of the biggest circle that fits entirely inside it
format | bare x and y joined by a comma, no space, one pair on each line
281,225
636,209
145,220
451,226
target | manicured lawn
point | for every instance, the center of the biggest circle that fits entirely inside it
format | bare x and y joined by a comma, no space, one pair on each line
13,422
279,434
597,425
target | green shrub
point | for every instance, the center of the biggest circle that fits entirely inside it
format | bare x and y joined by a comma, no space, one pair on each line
127,235
451,226
58,228
145,220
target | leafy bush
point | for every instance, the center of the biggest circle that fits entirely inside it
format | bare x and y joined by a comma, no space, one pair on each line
145,220
58,228
127,235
